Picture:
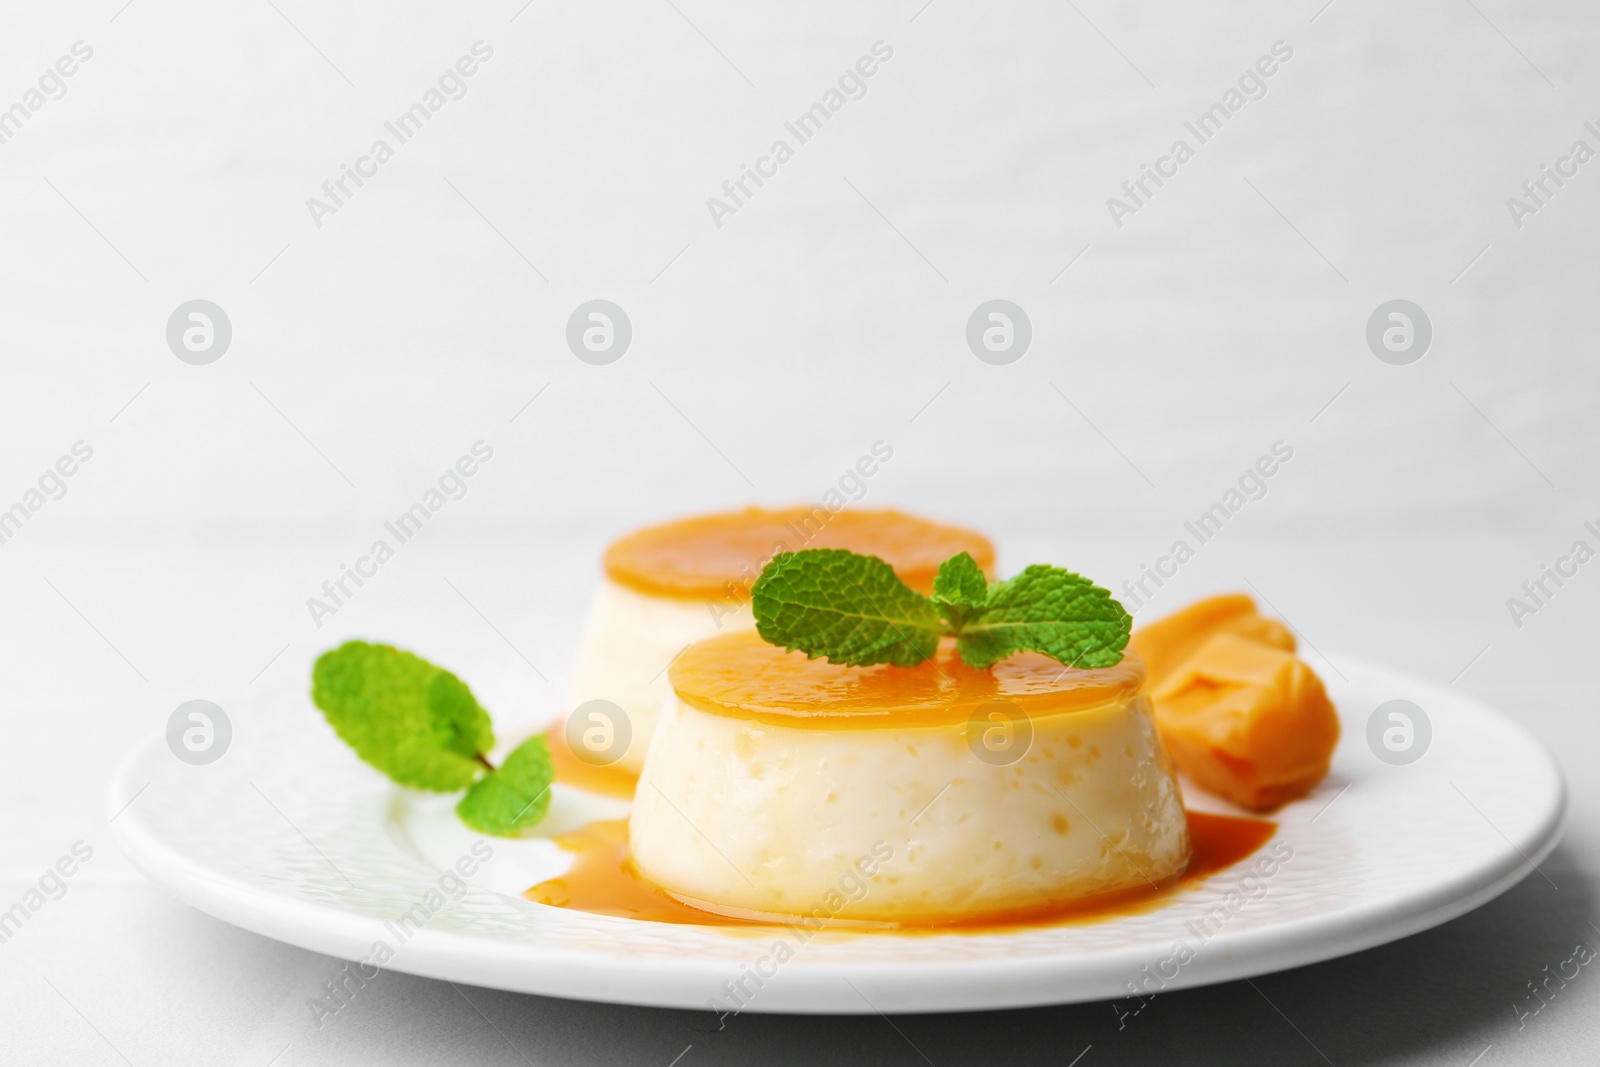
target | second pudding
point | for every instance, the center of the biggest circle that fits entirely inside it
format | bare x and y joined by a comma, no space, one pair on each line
669,585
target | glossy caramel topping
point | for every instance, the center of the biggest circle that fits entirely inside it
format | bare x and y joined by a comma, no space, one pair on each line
741,676
602,881
721,555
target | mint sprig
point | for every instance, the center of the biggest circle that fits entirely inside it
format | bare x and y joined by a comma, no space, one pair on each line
420,725
852,609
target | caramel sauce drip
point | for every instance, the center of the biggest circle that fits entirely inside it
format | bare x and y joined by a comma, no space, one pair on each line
717,556
602,881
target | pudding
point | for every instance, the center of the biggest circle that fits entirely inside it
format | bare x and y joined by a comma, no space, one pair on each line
671,585
778,786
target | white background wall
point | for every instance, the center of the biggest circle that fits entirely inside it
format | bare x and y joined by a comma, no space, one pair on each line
768,354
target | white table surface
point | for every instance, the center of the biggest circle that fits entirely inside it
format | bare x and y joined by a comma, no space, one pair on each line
768,354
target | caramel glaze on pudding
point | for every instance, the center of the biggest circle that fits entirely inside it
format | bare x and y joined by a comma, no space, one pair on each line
671,585
742,677
778,786
715,556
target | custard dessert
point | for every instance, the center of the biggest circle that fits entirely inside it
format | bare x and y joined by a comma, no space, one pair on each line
779,786
668,586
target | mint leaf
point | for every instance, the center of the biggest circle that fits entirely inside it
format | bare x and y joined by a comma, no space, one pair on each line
513,798
1050,610
960,589
415,722
458,711
849,608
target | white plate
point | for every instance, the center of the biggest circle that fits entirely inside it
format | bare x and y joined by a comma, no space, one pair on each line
290,836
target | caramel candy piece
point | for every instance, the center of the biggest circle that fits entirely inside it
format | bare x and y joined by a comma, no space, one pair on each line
1240,714
1165,644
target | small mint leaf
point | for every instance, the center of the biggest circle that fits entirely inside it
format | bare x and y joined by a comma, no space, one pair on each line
1050,610
514,797
960,589
851,609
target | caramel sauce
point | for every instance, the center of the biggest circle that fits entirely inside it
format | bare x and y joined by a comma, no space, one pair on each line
739,675
716,556
612,781
602,881
1217,842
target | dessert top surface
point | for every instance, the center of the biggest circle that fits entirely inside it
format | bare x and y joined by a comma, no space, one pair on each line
700,556
741,676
